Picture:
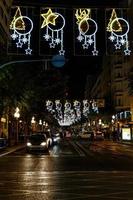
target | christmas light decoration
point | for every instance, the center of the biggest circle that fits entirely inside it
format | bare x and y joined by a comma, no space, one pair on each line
69,113
86,108
119,34
77,107
20,25
85,23
23,34
54,23
116,27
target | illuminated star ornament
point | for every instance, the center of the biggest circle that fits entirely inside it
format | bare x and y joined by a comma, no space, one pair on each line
54,23
87,29
119,29
22,27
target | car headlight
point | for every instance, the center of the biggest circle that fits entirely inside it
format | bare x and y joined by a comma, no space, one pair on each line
55,139
28,144
43,144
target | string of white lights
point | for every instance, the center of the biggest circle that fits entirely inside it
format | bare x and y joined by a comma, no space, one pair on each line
69,113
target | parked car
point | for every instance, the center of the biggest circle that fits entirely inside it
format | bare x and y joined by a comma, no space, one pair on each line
68,134
3,143
37,142
86,135
98,135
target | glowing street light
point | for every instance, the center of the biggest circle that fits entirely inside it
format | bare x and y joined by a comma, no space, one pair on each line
16,116
33,123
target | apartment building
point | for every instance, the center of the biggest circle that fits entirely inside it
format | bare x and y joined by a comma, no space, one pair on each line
112,83
5,6
102,87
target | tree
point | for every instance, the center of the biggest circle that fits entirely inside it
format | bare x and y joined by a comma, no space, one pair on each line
28,86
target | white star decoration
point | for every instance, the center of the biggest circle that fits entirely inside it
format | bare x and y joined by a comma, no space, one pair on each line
28,51
23,38
95,53
85,46
120,39
84,35
127,52
19,44
52,45
118,46
62,52
53,29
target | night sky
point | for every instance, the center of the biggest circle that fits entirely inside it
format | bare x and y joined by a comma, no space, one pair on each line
77,68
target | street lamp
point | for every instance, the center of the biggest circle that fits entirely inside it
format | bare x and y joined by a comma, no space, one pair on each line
33,124
113,122
40,125
17,115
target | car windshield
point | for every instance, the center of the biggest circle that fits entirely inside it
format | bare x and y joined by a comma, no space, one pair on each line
37,138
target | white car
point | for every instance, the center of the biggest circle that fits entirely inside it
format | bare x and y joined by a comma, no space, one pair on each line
98,135
37,142
86,135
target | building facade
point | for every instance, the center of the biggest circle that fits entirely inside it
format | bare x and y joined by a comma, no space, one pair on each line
112,83
5,6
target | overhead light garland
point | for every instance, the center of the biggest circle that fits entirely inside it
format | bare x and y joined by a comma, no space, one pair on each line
85,23
22,27
69,113
119,34
54,23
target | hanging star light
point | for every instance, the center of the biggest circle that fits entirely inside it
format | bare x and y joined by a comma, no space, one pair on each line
54,23
23,36
119,36
84,20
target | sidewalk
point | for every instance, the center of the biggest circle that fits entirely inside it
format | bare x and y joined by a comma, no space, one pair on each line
125,142
7,150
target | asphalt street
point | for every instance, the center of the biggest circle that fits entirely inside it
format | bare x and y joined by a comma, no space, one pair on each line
70,170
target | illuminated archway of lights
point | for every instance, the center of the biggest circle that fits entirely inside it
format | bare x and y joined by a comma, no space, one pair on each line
54,29
22,27
70,113
118,36
84,20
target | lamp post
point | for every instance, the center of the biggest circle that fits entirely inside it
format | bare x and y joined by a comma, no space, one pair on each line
40,125
17,115
33,124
